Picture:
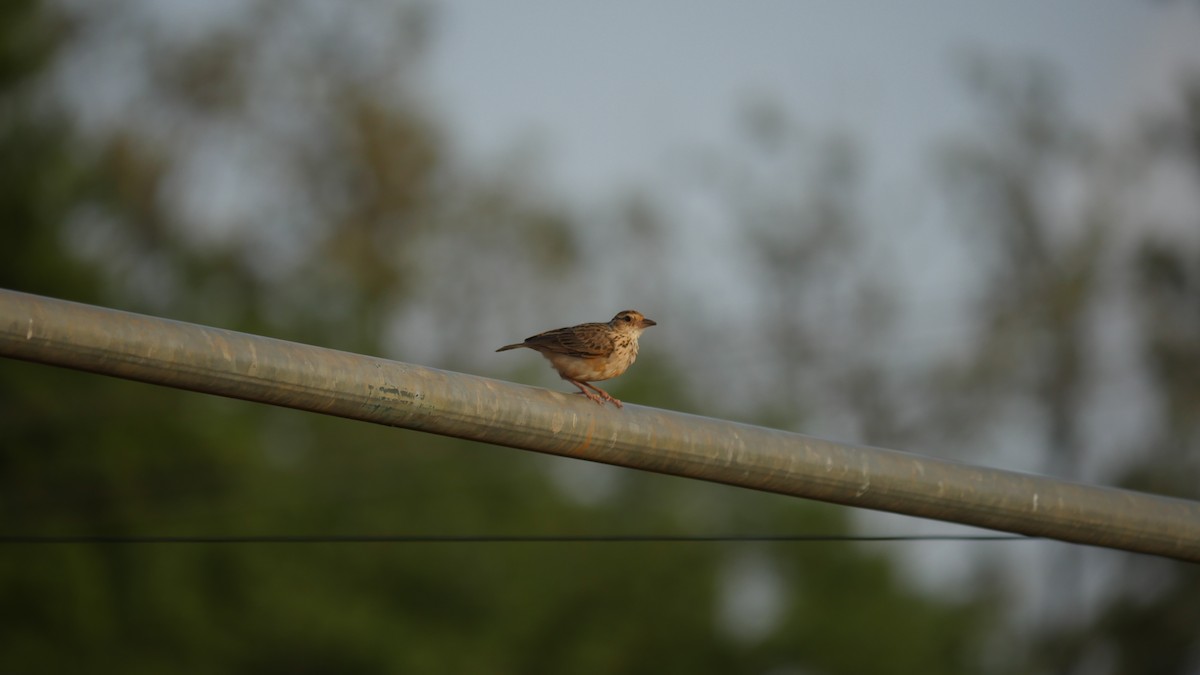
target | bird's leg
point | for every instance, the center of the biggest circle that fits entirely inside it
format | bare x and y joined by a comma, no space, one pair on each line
585,392
607,396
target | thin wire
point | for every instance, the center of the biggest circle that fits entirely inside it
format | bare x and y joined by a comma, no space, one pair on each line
484,539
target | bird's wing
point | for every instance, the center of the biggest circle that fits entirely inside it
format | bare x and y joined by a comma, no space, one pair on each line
589,340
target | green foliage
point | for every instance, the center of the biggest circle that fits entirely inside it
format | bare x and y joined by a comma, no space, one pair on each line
80,454
1042,345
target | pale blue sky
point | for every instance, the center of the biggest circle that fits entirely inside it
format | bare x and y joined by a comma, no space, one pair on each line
609,89
612,93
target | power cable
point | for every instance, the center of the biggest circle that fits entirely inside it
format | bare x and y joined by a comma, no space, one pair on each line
488,539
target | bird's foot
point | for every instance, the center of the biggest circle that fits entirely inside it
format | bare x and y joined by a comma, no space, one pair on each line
609,397
603,395
591,397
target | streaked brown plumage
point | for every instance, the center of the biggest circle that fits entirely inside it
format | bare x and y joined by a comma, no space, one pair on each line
591,352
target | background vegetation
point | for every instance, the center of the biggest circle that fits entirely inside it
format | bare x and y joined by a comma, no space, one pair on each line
366,235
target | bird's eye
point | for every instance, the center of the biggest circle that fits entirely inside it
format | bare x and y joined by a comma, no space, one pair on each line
626,317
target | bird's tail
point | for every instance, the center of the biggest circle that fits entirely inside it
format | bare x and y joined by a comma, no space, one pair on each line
513,346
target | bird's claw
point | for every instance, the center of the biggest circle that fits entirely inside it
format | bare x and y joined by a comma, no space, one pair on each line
603,395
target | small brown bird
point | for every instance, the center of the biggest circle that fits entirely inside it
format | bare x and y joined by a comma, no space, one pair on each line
591,352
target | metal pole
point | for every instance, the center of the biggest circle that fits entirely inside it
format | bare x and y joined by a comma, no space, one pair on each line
331,382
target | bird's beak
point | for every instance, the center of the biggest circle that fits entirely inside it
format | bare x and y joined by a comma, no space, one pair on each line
646,323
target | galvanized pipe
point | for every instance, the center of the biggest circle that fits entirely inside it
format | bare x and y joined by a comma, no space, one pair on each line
331,382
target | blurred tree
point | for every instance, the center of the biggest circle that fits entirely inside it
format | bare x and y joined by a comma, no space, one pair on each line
1040,278
1028,367
824,304
265,170
1147,622
813,360
38,171
1060,278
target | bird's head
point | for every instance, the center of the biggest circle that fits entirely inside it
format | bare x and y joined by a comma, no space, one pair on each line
631,321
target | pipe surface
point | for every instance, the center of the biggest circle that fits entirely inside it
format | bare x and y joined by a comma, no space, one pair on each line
331,382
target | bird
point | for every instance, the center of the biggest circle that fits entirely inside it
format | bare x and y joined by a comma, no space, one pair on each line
591,352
